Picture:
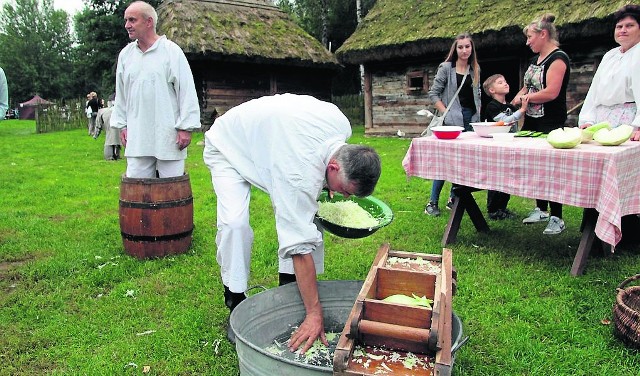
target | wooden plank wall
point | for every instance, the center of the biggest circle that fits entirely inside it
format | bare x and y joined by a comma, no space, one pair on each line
583,67
394,106
223,86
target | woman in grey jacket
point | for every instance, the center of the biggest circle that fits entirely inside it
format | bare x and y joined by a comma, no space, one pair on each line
462,60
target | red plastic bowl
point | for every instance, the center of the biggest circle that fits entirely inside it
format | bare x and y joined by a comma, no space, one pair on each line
447,132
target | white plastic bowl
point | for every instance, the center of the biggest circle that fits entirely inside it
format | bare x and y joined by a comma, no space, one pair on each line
486,129
503,137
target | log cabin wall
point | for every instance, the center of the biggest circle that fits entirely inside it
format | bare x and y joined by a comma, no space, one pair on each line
584,63
394,102
222,86
398,92
304,81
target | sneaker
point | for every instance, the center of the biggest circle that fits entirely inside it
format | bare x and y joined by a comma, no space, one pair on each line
450,204
501,214
535,216
432,209
555,226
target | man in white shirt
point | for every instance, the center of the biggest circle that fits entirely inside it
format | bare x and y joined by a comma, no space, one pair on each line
4,95
156,104
289,146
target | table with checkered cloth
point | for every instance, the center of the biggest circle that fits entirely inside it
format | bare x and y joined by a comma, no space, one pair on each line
606,178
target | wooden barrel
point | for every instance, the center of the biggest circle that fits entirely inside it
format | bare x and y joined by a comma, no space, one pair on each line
156,216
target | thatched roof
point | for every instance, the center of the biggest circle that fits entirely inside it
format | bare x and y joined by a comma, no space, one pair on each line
407,28
240,31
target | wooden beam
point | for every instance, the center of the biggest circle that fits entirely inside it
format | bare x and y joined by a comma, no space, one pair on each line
368,99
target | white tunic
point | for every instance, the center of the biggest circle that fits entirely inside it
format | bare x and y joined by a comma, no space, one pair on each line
282,144
4,95
156,96
616,81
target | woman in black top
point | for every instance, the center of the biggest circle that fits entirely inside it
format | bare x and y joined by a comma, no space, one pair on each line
465,108
545,88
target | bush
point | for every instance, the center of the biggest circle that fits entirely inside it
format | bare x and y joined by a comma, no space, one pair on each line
352,106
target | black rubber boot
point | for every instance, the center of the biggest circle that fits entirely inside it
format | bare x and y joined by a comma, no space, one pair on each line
231,300
284,278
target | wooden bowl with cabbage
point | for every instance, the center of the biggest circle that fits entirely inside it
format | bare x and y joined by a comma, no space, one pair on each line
353,217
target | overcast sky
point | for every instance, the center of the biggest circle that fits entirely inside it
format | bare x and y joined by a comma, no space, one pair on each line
70,6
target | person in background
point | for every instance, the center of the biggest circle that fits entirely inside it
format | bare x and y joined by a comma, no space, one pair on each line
87,112
92,109
615,89
4,95
112,144
498,109
291,147
157,107
461,60
545,92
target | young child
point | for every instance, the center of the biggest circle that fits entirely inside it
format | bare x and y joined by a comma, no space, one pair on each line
499,110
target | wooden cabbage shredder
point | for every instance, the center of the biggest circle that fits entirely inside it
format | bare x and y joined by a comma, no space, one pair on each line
396,339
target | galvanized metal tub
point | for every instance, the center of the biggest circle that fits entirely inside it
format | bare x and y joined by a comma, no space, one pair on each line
261,317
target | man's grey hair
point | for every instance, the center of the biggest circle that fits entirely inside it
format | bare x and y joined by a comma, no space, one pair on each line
360,165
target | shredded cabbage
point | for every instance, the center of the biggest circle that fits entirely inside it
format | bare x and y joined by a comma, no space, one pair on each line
419,262
347,214
383,356
317,355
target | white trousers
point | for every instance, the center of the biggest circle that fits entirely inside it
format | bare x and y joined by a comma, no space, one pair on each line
145,167
234,238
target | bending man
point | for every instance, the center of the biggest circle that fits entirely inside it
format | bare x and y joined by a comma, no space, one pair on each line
291,147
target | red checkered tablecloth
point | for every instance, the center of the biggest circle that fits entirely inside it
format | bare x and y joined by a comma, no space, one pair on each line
606,178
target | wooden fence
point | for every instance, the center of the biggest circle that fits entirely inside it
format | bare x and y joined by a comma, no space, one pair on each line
56,117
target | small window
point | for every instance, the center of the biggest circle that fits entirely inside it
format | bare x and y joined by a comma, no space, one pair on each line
417,82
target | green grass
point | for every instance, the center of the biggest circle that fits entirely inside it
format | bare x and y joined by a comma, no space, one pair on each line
64,277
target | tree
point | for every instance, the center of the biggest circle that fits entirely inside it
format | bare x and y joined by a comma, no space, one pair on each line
101,36
35,49
326,20
331,22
